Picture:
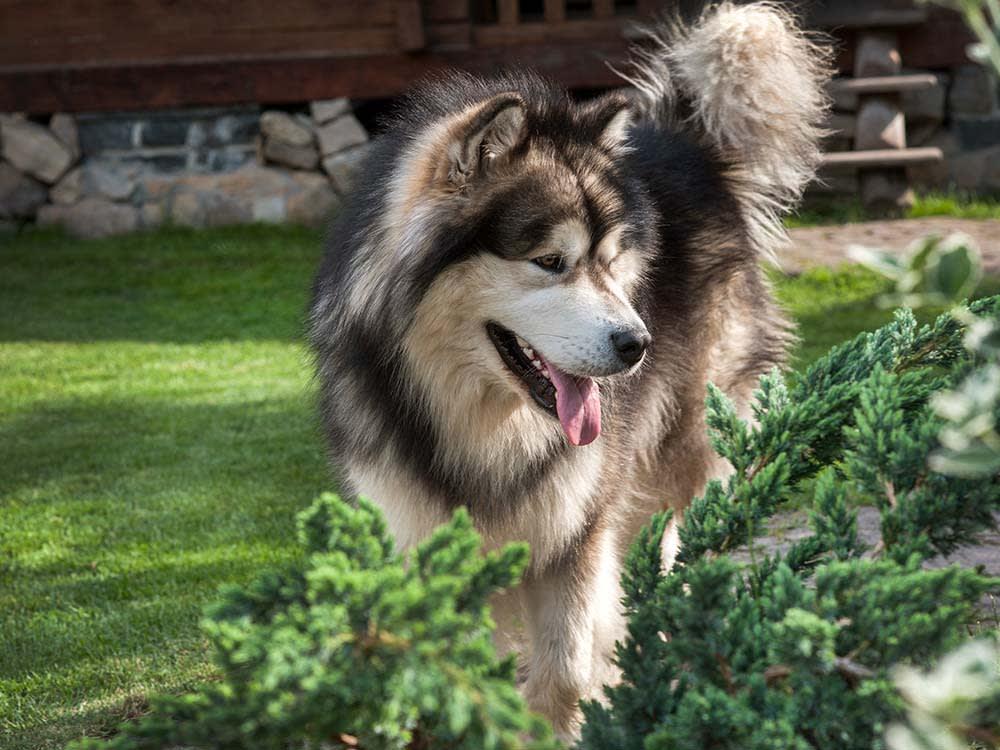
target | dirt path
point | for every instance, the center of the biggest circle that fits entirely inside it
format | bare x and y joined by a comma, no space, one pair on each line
813,246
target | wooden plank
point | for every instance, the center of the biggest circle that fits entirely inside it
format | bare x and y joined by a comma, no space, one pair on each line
573,32
508,12
39,90
604,8
555,11
881,158
410,25
884,84
866,18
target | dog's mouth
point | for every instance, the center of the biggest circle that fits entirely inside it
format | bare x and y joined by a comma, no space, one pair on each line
575,401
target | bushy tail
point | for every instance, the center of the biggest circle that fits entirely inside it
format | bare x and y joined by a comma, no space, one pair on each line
748,82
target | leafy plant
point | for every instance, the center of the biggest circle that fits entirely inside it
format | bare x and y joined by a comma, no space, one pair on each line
798,649
356,647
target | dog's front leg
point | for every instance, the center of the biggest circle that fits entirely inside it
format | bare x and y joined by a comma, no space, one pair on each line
573,618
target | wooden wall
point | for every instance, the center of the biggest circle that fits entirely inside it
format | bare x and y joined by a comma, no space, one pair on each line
80,55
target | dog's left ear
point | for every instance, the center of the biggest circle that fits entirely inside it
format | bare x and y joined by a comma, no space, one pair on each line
610,116
484,137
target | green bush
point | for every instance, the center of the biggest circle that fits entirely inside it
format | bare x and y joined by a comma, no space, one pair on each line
356,646
796,650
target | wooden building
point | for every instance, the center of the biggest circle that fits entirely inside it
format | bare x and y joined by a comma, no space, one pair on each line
99,55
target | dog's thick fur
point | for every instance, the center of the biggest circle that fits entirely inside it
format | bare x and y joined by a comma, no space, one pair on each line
647,212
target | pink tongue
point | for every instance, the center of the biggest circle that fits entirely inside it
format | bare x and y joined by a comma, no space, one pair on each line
578,404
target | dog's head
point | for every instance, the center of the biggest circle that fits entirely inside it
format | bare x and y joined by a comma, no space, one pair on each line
540,245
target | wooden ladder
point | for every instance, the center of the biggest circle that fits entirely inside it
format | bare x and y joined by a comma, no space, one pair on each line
880,154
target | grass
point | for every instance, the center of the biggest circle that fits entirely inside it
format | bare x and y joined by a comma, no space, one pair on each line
849,210
157,436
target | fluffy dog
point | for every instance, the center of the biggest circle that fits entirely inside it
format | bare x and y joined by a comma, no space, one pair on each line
521,306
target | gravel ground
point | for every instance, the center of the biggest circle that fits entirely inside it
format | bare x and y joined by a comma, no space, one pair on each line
814,246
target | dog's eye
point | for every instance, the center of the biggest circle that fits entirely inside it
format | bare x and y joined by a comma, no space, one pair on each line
554,263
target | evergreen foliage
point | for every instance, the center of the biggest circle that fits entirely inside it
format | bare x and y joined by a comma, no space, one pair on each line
796,650
357,647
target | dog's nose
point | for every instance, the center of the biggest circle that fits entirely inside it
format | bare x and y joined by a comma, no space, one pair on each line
630,345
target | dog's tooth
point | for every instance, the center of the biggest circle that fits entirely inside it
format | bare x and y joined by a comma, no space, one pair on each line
537,363
530,352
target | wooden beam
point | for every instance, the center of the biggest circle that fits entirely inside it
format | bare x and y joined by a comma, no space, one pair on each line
508,12
410,25
604,8
555,11
881,158
884,84
38,90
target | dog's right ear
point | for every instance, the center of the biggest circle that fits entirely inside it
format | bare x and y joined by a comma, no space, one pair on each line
483,138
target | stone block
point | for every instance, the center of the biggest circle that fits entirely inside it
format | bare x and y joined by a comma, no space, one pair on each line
313,206
20,195
329,109
343,167
69,189
159,132
926,105
880,124
977,132
111,180
340,134
208,208
34,149
235,129
99,133
973,91
296,157
281,126
64,127
91,217
151,215
877,54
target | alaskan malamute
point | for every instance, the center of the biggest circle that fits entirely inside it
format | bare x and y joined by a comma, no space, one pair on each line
522,304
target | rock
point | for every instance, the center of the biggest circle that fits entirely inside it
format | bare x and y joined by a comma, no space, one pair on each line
991,169
844,101
918,134
151,215
69,189
880,124
297,157
315,203
877,54
973,91
91,217
343,167
271,209
977,132
328,109
340,135
20,195
843,125
64,127
935,174
926,105
208,208
111,180
33,149
281,126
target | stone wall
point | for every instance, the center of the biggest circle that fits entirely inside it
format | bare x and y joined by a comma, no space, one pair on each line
102,174
960,115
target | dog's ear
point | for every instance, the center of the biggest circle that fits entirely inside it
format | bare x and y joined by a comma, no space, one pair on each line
610,116
484,138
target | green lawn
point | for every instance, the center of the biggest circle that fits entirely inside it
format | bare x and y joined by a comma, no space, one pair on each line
844,210
157,436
